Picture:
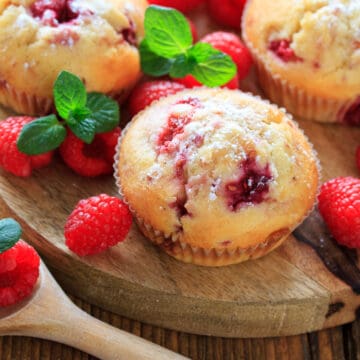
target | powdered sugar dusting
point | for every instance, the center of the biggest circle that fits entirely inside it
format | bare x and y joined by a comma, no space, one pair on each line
213,189
155,172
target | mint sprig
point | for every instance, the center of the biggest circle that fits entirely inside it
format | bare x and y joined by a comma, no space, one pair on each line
167,31
153,64
167,49
69,94
10,232
103,111
44,134
84,114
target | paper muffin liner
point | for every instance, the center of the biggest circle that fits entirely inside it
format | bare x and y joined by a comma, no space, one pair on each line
295,99
24,103
213,257
208,257
30,104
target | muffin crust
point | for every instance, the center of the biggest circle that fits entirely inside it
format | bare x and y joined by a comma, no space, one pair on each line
94,39
323,34
216,169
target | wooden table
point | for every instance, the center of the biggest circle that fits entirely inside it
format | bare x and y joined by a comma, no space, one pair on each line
332,344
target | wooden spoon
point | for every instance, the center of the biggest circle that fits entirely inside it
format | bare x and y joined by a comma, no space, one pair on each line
50,314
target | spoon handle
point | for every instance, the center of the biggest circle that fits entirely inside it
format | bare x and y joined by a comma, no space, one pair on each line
82,331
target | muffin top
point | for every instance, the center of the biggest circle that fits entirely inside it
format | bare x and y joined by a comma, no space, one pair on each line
217,168
96,40
314,44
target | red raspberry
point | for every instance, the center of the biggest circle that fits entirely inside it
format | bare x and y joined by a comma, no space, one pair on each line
96,224
19,271
181,5
189,82
358,157
92,159
144,94
11,159
231,44
227,12
339,205
193,30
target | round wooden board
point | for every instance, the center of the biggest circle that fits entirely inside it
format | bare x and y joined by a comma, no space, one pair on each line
290,291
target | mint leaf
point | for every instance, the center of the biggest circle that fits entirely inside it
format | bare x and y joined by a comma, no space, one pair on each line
216,70
41,135
167,32
84,130
182,66
105,112
152,64
69,93
80,113
167,49
10,232
200,52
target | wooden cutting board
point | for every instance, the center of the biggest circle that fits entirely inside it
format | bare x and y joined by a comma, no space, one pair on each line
309,283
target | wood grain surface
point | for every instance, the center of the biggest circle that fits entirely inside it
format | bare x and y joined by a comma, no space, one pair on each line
341,343
68,324
293,290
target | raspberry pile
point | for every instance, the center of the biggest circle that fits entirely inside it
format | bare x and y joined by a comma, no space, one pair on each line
339,205
85,159
145,93
96,224
11,159
231,44
19,271
181,5
224,12
93,159
227,12
190,82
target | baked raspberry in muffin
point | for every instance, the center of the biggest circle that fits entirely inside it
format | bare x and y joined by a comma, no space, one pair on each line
96,40
215,176
307,54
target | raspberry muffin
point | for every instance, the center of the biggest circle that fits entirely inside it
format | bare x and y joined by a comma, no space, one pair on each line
307,54
96,40
215,176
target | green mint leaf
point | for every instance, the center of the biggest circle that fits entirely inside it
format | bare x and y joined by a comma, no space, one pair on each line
77,115
10,232
200,52
167,32
182,66
152,64
41,135
105,112
216,70
84,130
69,94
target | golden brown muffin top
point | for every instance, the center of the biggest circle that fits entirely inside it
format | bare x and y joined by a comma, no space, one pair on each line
96,40
314,44
218,168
